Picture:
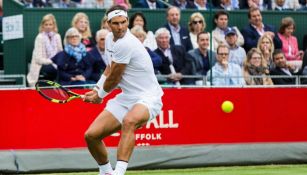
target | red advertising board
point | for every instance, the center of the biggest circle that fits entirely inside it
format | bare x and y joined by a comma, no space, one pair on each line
189,116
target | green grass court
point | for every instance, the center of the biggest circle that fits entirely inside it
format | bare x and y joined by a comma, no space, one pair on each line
232,170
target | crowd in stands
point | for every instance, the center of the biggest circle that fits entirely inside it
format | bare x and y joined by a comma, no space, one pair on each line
253,55
279,5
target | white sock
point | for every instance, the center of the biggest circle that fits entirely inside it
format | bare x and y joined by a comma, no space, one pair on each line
106,168
121,167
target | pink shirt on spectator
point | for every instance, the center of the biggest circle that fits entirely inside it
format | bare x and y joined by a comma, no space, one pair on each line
289,47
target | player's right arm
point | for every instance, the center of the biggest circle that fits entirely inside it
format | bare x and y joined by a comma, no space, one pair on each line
113,76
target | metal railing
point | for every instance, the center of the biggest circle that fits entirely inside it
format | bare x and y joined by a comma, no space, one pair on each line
13,81
19,81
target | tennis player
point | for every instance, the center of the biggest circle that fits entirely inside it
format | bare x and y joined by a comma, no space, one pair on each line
130,67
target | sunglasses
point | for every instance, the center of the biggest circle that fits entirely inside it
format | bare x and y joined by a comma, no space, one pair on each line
195,22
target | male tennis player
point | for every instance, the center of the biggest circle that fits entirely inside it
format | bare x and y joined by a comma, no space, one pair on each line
130,67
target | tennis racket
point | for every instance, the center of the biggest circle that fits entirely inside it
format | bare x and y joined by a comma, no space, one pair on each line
54,92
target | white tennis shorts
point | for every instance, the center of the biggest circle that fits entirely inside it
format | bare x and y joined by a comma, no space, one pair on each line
121,104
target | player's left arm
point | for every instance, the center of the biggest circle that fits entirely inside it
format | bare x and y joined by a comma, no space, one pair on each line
115,76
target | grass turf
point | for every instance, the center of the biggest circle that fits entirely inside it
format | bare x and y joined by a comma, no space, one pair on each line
231,170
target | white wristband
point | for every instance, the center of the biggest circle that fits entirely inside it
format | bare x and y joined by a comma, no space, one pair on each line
99,87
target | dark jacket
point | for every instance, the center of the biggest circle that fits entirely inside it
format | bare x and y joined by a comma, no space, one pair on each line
251,37
284,80
182,62
184,37
189,4
155,58
143,4
98,64
198,61
68,67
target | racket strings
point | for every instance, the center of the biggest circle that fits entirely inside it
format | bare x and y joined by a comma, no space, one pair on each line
54,92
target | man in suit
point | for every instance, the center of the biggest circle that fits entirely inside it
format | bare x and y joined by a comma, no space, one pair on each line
179,34
175,61
281,69
150,4
202,56
256,28
98,58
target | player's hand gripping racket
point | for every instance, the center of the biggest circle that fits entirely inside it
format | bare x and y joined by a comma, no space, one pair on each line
54,92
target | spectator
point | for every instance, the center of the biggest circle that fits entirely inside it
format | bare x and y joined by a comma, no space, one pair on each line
282,69
202,56
289,42
286,5
255,70
104,24
236,53
202,4
74,63
228,5
303,71
97,4
36,3
261,4
184,4
179,34
27,3
81,22
256,28
175,61
98,57
150,4
280,5
305,42
138,18
225,73
266,46
218,34
47,44
139,32
293,4
63,4
197,24
304,5
123,3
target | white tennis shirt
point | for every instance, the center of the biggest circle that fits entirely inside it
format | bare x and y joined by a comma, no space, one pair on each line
138,78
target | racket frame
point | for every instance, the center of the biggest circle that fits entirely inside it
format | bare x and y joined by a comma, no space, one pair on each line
72,95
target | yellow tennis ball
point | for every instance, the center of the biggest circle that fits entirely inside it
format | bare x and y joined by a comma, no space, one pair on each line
227,106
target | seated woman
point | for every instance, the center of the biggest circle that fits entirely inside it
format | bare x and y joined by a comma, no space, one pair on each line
82,23
266,46
197,24
255,69
139,19
138,32
74,65
293,55
47,44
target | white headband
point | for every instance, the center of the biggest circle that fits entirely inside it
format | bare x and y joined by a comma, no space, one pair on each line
117,13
